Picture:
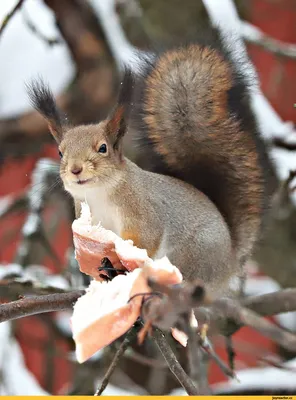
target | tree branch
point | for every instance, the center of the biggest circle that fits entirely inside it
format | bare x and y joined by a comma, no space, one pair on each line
278,335
227,316
254,35
119,353
208,348
38,304
272,303
10,15
47,40
173,363
21,287
91,95
282,144
230,352
44,176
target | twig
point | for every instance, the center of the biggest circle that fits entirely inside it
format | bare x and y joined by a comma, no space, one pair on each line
38,304
197,361
276,364
122,348
10,15
228,316
208,348
193,352
201,360
203,379
283,338
49,41
272,303
230,352
254,35
173,364
282,144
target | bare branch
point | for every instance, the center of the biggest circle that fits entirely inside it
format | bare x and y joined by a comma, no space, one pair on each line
282,144
254,35
227,316
21,287
173,363
119,353
230,352
49,41
38,304
272,303
10,15
197,359
194,355
208,348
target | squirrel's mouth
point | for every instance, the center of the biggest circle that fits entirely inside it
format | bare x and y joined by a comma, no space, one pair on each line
83,181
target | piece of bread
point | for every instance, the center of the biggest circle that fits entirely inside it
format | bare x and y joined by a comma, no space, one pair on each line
105,313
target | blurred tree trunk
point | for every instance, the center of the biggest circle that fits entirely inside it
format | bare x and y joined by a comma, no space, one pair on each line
158,21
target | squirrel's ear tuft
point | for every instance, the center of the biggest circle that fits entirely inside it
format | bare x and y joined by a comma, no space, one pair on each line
117,123
43,101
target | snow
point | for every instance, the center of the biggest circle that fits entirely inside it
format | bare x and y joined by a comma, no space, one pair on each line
255,379
37,274
15,377
261,378
112,390
24,56
5,202
122,50
10,269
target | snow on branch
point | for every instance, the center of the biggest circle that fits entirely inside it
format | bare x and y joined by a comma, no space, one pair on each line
223,14
254,35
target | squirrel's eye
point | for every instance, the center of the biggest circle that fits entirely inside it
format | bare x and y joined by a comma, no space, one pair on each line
60,154
103,148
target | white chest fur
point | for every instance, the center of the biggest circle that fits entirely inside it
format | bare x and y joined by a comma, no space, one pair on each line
102,210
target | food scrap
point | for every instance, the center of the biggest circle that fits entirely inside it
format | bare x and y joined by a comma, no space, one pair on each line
110,308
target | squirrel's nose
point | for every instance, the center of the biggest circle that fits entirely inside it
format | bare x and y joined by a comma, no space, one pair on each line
76,170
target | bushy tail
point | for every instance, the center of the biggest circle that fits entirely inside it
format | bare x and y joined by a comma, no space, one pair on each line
194,121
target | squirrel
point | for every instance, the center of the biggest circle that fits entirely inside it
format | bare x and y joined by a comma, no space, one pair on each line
199,193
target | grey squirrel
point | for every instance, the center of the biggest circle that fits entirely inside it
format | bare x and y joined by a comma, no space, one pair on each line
201,198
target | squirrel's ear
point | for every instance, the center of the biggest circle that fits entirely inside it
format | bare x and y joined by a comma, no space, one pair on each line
56,132
117,124
43,101
116,127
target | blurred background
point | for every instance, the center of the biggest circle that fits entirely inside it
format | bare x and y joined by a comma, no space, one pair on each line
78,46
